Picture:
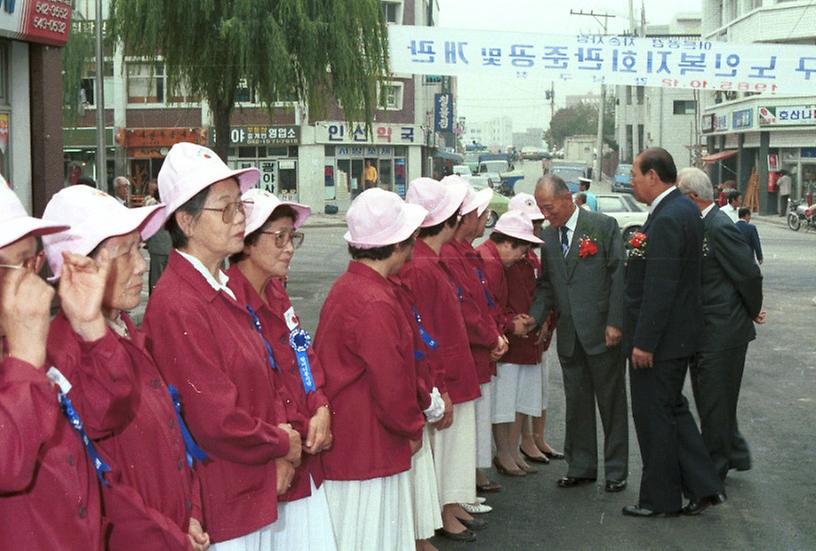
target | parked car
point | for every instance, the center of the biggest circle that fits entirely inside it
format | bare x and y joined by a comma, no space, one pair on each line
630,214
498,204
472,161
462,170
622,183
570,173
496,165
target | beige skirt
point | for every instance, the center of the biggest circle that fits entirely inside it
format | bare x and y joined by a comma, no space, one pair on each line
372,515
454,451
427,514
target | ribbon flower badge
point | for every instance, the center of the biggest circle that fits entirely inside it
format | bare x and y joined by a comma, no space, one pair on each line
587,247
637,245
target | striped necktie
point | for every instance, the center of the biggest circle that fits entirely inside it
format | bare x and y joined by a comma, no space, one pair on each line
564,240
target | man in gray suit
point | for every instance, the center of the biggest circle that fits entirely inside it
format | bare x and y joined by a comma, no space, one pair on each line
732,302
582,279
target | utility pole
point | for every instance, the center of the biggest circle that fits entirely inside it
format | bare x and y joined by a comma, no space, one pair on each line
101,142
596,169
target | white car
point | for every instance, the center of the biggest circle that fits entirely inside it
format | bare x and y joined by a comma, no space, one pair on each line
462,170
629,213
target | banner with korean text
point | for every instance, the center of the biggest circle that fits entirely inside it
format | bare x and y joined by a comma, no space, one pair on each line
619,60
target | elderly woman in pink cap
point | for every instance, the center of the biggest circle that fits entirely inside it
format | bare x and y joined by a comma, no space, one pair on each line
206,343
524,369
256,276
508,244
150,494
46,502
368,358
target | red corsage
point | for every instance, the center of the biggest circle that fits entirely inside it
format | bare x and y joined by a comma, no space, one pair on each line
587,247
637,244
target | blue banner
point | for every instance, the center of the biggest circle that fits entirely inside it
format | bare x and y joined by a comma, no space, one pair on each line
443,113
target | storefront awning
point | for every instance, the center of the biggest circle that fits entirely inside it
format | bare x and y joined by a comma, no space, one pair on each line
455,158
719,156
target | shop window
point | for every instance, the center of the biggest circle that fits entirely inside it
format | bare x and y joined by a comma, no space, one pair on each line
145,83
392,12
389,96
628,151
684,107
245,93
640,94
628,95
87,86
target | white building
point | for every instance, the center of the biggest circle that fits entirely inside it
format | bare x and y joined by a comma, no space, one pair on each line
589,98
659,117
495,133
743,129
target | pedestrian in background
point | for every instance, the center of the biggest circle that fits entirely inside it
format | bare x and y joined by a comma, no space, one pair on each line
749,232
590,200
784,184
160,244
731,208
121,190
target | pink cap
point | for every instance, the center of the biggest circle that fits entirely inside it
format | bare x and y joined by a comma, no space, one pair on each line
93,216
517,224
441,201
15,223
474,200
189,168
264,204
526,203
378,218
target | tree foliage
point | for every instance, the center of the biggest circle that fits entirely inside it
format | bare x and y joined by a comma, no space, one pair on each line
581,119
76,54
306,50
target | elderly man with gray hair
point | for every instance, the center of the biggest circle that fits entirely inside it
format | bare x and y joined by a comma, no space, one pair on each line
121,189
732,303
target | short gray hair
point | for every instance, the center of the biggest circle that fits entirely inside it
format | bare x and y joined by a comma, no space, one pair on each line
554,184
121,181
694,180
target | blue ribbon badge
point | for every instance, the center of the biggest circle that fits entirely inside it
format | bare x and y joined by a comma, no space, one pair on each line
190,447
68,410
490,302
256,322
300,341
429,341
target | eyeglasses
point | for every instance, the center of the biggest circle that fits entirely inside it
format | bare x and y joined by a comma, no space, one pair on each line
229,212
284,237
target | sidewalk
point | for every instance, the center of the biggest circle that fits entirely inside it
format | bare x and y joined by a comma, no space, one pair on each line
321,220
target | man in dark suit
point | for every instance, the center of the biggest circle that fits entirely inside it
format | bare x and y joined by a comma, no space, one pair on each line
749,232
732,302
582,280
662,324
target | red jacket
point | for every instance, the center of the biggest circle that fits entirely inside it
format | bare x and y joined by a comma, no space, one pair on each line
300,407
436,297
521,285
49,494
151,493
497,283
205,344
367,356
422,367
464,264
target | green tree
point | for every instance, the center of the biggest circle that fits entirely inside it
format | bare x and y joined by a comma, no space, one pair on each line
581,119
305,50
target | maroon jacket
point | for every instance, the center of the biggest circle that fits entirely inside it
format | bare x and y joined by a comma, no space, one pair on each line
151,492
497,283
464,264
437,300
521,284
49,494
422,367
367,356
300,407
205,344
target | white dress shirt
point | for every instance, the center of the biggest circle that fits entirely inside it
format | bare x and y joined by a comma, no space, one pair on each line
219,284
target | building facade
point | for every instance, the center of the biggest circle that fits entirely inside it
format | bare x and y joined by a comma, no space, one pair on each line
311,161
660,117
496,133
746,132
31,34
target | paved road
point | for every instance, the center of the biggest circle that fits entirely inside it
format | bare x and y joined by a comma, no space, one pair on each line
769,507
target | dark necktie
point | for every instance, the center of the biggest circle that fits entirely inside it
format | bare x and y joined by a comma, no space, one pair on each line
564,240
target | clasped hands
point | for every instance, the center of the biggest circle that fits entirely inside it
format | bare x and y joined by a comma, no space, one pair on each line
318,438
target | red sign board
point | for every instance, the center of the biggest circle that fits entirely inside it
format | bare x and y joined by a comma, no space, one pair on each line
42,21
163,137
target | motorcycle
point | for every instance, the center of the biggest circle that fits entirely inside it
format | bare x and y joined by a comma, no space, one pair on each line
800,213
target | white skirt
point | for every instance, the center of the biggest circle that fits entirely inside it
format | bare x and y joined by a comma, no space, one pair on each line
304,524
484,426
259,540
372,515
454,451
516,389
427,514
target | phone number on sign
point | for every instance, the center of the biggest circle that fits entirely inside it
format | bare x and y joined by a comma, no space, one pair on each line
722,85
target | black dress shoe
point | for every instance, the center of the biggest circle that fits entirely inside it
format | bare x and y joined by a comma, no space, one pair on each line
640,512
615,485
554,455
695,507
466,535
473,524
570,481
535,458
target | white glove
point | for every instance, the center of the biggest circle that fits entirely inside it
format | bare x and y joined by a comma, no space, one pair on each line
436,410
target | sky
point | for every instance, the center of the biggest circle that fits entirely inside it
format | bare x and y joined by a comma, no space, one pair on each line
481,99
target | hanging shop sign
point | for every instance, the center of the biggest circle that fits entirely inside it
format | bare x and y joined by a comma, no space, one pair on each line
41,21
620,60
262,135
788,115
343,132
